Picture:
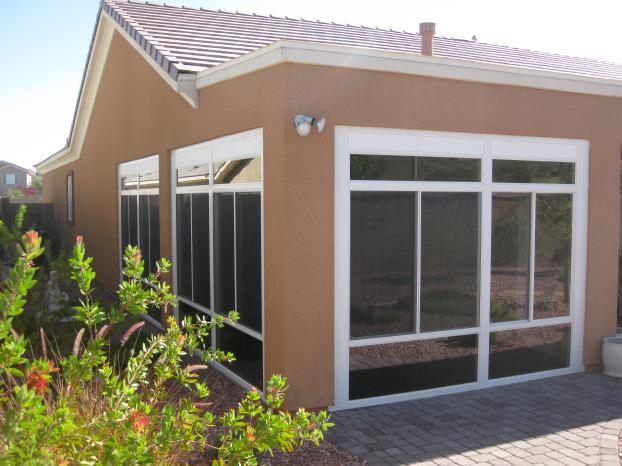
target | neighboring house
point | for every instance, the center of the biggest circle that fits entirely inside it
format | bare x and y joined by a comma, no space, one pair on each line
13,177
454,225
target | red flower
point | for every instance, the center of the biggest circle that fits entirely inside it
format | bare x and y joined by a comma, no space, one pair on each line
139,420
37,381
31,237
79,240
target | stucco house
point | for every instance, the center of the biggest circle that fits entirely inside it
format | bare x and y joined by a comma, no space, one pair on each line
13,177
394,215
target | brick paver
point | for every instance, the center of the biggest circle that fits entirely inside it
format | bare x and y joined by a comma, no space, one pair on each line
569,420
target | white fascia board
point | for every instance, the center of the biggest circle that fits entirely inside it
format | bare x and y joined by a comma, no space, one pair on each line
287,51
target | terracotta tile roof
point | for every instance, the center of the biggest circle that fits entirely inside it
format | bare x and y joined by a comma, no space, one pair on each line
188,40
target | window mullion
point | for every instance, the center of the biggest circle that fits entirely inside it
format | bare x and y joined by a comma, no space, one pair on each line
191,250
485,266
418,263
532,254
235,252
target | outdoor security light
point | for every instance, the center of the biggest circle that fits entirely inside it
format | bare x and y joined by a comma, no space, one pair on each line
304,122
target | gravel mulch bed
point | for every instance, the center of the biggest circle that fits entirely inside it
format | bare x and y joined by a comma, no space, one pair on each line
225,394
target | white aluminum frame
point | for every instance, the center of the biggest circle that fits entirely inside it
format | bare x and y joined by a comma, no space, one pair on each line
122,169
247,144
486,147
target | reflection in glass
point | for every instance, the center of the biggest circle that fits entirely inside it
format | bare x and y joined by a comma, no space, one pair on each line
382,263
509,279
129,182
238,171
515,352
553,255
523,171
404,168
200,250
449,260
149,179
414,365
193,175
248,353
248,258
224,255
184,247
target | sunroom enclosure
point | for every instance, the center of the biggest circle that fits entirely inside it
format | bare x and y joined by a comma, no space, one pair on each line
459,261
218,244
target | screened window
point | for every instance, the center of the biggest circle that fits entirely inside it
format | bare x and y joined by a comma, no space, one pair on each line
454,270
139,210
218,261
405,168
523,171
10,179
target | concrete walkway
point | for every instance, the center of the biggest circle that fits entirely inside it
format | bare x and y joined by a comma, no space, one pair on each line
569,420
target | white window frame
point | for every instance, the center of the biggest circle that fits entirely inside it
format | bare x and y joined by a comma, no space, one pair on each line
486,147
247,144
134,166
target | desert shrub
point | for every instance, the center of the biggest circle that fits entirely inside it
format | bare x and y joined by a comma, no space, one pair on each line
81,408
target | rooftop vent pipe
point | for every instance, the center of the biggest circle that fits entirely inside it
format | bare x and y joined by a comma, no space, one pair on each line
427,31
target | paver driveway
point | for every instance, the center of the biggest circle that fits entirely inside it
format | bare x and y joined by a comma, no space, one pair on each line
569,420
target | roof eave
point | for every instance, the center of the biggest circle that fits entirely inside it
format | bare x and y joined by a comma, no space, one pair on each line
405,63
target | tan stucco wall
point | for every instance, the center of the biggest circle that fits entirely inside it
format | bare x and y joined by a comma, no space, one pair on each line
137,114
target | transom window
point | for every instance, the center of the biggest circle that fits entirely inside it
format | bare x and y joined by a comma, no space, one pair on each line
218,254
460,261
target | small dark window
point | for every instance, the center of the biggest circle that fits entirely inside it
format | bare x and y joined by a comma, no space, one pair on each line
224,253
523,171
248,353
382,263
184,246
404,168
200,250
248,258
412,365
515,352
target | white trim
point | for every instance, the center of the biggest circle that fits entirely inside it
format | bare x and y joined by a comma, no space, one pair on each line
362,403
290,51
354,140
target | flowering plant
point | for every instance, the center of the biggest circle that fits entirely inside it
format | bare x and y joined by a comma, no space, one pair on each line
81,408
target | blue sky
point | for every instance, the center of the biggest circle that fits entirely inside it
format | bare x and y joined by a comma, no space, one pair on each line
44,44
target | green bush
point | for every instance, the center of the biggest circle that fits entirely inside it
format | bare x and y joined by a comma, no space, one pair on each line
81,408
